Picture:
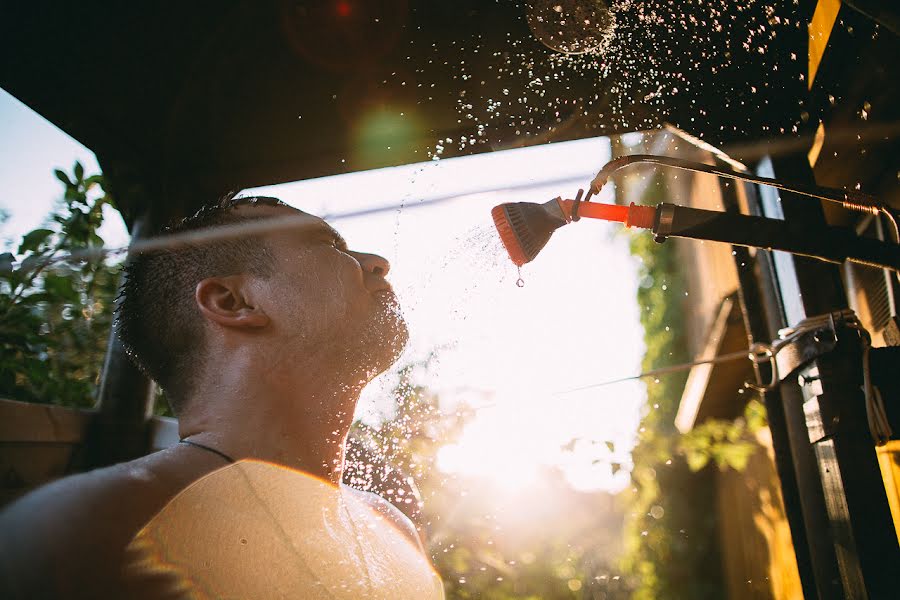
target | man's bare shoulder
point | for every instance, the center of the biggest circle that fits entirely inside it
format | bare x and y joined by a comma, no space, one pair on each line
75,529
80,501
392,513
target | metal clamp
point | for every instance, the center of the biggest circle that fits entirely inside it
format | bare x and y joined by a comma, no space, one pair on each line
804,347
759,354
575,204
666,217
798,346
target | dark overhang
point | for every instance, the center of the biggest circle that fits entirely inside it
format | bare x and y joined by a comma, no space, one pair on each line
215,95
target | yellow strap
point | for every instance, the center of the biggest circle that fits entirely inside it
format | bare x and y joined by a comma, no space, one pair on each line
819,31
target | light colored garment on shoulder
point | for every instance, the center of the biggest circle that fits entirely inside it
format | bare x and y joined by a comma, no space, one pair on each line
254,530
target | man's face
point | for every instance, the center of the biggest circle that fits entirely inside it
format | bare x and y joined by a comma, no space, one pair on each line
328,302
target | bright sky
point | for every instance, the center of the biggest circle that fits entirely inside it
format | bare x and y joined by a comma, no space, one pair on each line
507,351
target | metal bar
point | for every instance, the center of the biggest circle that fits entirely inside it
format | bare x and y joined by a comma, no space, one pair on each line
125,393
809,516
859,527
762,319
832,244
125,399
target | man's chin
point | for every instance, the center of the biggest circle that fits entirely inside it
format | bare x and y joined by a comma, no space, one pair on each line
396,331
389,333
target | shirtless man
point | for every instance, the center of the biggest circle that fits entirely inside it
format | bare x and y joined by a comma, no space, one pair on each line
263,344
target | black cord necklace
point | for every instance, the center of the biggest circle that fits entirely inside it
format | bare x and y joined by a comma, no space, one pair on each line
208,449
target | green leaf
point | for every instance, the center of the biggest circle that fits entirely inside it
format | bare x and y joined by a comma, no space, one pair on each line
79,171
63,177
696,460
33,240
31,263
6,262
736,431
32,299
93,180
60,287
755,414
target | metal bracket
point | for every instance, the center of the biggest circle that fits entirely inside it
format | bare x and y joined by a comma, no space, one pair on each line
805,348
666,216
798,349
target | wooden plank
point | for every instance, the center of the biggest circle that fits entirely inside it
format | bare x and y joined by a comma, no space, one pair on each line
757,550
38,443
889,461
26,422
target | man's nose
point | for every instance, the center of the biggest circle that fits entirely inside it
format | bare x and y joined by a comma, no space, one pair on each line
372,263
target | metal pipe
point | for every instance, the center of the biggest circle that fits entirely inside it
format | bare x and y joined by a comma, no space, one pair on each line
851,199
125,399
831,244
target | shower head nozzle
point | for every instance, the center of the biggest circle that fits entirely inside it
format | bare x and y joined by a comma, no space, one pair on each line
525,227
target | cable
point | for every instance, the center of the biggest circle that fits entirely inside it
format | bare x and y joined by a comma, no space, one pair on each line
661,371
248,228
876,413
851,200
895,229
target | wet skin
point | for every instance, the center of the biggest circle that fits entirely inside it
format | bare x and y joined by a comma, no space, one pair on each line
286,359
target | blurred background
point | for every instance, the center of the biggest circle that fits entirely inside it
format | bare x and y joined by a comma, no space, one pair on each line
525,429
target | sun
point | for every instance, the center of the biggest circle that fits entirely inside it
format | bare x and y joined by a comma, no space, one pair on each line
503,470
511,448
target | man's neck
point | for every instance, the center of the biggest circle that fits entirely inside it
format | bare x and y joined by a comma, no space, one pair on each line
299,425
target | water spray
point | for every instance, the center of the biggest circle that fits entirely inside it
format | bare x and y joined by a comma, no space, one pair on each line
526,227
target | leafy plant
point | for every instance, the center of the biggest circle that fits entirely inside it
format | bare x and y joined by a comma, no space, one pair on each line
55,315
670,532
478,548
729,444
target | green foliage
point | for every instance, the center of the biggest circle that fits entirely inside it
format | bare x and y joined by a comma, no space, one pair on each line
484,542
729,444
406,443
670,535
55,316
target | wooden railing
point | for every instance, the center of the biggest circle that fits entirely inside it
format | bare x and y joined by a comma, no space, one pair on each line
42,442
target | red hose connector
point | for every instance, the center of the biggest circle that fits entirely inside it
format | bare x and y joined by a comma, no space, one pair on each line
640,216
631,216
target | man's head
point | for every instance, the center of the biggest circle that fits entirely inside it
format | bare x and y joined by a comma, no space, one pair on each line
292,295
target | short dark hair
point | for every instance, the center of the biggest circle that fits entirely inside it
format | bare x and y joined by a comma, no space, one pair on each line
157,318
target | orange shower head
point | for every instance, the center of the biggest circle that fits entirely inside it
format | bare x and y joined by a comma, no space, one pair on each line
526,227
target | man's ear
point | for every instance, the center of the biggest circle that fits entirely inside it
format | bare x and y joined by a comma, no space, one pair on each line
224,300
